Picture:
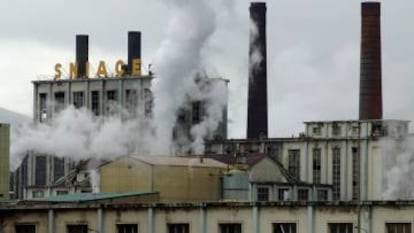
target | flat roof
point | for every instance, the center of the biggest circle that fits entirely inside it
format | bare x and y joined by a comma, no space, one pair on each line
186,161
84,197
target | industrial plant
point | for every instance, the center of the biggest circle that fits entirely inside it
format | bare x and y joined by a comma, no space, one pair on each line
329,179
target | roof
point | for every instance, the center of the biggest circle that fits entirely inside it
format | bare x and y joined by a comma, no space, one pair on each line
233,159
187,161
85,197
92,79
356,121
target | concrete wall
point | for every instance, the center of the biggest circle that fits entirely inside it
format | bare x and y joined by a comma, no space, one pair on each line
174,183
206,217
4,161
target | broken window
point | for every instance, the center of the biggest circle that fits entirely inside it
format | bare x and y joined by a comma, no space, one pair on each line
316,165
131,101
398,227
284,227
263,193
355,173
336,173
59,101
58,168
25,228
42,107
303,194
77,228
294,163
95,102
336,129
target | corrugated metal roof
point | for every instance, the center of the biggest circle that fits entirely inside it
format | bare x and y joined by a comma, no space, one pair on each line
83,197
180,161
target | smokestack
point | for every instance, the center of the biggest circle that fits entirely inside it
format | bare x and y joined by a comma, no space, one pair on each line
82,50
134,50
257,95
370,89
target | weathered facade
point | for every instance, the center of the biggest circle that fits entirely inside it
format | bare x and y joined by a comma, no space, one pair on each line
211,217
175,178
349,156
4,161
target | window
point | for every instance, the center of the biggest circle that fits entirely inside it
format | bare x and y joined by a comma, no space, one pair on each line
303,195
398,227
61,192
59,101
111,99
263,194
340,227
355,130
196,112
25,228
78,100
148,100
131,101
316,130
58,168
336,129
112,95
38,194
294,163
40,178
283,194
179,228
230,228
77,228
355,173
336,173
95,102
42,107
322,195
284,227
316,165
127,228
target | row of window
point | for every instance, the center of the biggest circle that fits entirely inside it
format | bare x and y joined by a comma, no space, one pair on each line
336,130
224,228
78,100
284,194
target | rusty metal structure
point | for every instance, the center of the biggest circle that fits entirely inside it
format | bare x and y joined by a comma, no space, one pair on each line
257,122
370,91
82,54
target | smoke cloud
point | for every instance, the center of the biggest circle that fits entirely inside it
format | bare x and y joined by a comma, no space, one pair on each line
177,62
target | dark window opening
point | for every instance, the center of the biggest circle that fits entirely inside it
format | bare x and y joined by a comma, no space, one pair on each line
78,99
284,227
58,168
294,163
40,177
336,173
316,165
42,107
25,228
263,193
398,227
340,227
179,228
59,101
95,102
127,228
77,228
230,228
303,194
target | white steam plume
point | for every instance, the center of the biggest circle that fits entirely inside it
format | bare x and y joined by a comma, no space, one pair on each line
256,57
77,134
214,97
399,169
177,61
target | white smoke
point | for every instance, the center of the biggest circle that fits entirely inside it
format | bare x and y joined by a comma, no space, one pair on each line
256,57
398,159
214,96
177,61
77,134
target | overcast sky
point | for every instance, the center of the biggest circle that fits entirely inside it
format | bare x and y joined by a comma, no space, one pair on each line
313,52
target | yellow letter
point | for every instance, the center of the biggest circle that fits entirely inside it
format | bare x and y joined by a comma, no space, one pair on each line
87,70
58,72
136,66
73,70
119,68
101,70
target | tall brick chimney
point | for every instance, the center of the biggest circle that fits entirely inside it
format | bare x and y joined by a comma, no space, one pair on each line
257,95
370,89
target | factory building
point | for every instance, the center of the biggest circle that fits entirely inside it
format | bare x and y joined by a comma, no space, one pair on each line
4,161
126,94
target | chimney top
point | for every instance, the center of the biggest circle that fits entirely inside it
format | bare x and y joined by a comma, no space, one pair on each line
371,9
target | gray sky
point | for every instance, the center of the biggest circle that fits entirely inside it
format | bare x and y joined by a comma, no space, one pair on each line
313,52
